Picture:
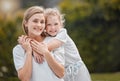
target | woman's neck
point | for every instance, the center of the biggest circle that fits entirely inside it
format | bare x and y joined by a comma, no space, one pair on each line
38,38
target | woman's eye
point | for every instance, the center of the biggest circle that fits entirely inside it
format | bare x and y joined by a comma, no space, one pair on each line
35,21
42,21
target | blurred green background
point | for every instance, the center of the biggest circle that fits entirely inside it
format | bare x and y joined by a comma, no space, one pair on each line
94,25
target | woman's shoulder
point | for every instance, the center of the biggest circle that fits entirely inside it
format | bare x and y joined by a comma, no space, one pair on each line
17,48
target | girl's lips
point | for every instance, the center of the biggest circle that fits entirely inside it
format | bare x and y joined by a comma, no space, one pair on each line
53,31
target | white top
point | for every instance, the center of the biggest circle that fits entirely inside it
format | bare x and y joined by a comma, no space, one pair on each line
71,52
40,72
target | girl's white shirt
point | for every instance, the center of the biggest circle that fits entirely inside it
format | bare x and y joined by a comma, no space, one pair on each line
75,67
71,52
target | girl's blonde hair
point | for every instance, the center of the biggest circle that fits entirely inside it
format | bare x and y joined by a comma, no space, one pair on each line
30,12
54,12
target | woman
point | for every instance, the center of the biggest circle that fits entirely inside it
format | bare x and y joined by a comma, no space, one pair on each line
51,69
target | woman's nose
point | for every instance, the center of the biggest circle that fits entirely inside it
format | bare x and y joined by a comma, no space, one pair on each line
39,24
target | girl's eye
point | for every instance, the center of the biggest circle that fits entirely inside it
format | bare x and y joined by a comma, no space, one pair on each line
48,24
56,24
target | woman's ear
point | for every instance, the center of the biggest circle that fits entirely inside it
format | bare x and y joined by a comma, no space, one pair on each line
25,23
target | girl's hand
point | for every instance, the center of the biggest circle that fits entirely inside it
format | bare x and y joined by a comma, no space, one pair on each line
25,42
38,57
20,39
38,47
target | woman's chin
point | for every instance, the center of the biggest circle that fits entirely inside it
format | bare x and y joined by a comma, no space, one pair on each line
37,34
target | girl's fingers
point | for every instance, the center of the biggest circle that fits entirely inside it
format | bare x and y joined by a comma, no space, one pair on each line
35,59
20,39
33,47
28,40
39,59
34,42
42,58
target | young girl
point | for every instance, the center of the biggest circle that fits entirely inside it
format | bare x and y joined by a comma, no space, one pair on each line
75,67
27,68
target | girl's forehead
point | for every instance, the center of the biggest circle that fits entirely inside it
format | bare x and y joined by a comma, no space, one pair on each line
53,17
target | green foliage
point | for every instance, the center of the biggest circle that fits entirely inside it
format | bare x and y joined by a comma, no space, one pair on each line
105,77
9,32
9,79
94,26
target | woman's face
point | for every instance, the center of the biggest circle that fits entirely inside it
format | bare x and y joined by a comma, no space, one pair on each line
53,25
35,24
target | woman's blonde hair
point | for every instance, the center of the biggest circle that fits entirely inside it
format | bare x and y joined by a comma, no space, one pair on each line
54,12
30,12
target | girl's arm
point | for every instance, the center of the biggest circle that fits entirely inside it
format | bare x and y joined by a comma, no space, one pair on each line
57,41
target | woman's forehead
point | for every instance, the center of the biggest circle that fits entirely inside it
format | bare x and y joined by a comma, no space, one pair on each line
37,16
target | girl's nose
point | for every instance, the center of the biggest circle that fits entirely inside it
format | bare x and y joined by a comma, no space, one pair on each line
52,27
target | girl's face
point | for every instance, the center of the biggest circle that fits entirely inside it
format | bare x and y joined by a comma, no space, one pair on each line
53,25
35,24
